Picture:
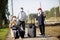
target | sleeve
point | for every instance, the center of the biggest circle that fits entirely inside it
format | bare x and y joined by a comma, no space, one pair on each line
37,17
19,15
10,25
44,14
25,16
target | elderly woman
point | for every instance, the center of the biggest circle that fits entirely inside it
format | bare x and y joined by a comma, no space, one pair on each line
12,25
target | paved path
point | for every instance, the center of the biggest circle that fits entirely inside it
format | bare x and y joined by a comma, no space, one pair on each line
38,37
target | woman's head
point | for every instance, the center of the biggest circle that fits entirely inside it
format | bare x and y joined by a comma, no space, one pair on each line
14,18
39,9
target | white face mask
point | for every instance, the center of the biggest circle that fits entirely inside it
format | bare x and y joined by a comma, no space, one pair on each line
20,9
14,19
39,12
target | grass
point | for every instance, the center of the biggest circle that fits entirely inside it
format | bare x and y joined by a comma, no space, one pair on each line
54,19
3,33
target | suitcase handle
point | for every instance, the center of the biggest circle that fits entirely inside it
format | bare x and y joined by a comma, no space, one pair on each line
32,22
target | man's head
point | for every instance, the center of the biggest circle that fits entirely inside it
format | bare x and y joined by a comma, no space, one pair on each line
21,9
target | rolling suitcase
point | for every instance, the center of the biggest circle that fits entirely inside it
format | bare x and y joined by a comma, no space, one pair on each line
32,30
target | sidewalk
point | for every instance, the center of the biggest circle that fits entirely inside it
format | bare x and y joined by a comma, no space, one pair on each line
38,37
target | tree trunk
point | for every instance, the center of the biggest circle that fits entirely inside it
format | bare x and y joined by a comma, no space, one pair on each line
0,23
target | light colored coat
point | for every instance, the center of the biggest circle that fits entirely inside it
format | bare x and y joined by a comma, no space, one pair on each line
11,31
22,16
10,26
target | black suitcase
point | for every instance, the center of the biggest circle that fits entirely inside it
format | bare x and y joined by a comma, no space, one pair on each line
32,30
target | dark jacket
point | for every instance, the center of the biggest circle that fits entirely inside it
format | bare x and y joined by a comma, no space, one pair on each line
41,19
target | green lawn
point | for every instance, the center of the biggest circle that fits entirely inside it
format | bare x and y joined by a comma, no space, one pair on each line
3,33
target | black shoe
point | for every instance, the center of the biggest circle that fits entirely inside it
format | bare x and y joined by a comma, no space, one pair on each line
43,35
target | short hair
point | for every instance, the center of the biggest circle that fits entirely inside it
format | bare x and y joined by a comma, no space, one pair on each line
13,16
21,7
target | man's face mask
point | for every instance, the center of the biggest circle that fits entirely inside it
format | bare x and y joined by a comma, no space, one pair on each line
21,10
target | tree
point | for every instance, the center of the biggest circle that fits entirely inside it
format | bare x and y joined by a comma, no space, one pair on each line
47,14
52,12
57,12
3,6
32,16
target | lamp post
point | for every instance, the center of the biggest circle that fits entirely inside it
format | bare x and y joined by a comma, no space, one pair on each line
40,3
55,13
12,6
59,6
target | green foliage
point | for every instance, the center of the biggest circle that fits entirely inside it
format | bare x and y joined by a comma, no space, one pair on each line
57,12
51,13
47,14
3,8
32,16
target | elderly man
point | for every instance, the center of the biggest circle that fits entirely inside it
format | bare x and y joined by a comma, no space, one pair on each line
41,19
21,21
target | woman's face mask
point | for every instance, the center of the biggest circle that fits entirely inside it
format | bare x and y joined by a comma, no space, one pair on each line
39,12
14,18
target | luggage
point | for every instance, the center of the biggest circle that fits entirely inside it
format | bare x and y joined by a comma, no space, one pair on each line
32,30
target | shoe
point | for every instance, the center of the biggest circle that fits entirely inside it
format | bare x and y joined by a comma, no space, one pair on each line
44,36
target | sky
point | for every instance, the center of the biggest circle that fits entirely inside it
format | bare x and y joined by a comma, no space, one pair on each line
31,6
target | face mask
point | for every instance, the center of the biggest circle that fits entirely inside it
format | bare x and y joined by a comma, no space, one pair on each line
14,18
21,10
39,12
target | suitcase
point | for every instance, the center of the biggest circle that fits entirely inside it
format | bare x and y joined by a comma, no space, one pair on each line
32,30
